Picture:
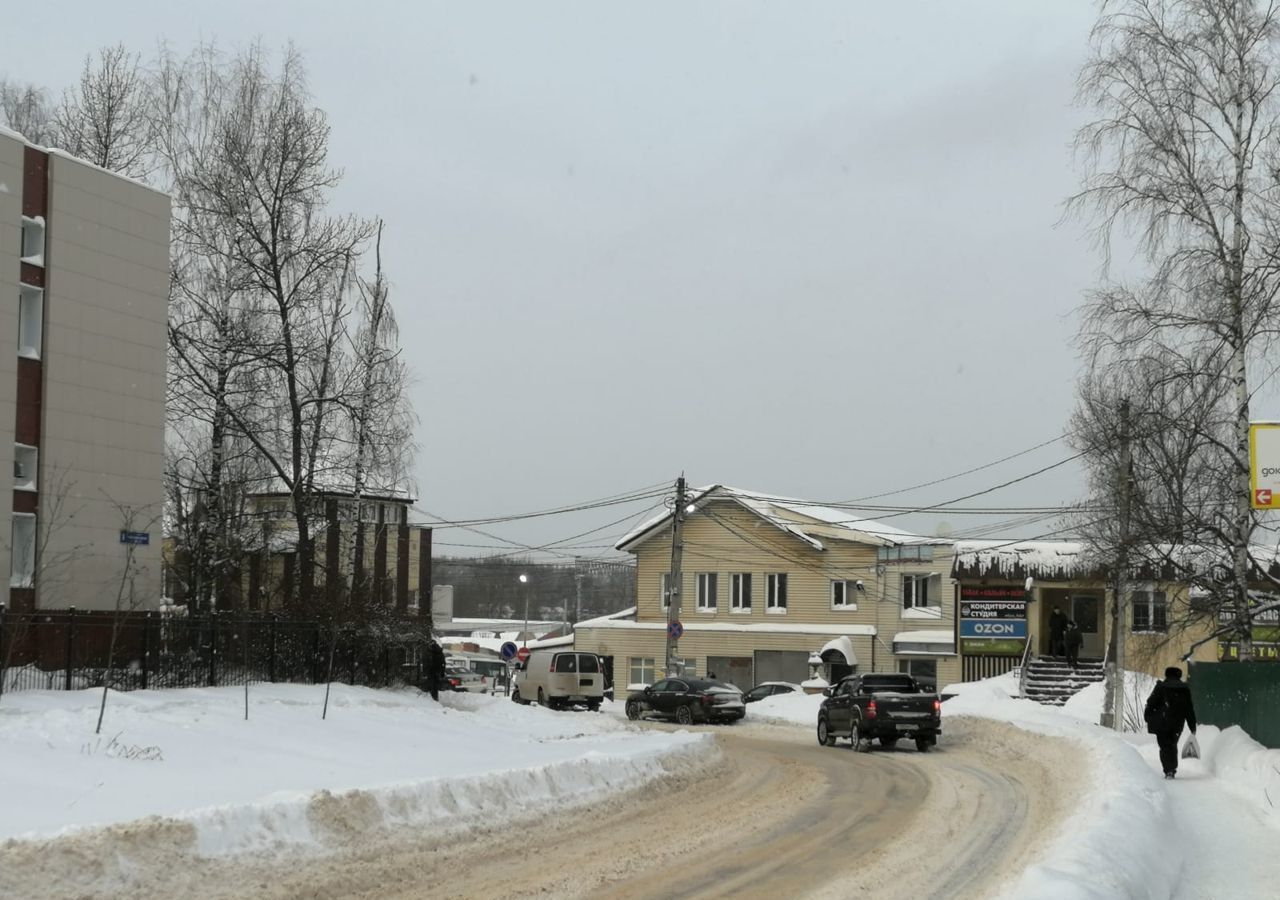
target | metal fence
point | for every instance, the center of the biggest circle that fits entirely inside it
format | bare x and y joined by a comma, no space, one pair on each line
66,650
1236,693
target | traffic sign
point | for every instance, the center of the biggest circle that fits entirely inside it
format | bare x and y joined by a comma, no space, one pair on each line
522,654
508,650
675,630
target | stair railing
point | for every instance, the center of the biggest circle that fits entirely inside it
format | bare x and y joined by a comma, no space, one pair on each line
1022,667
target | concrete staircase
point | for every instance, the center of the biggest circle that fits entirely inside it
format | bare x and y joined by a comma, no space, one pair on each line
1051,681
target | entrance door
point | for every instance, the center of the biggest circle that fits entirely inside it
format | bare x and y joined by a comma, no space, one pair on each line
1086,610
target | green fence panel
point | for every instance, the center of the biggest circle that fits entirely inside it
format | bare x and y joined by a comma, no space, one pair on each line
1244,694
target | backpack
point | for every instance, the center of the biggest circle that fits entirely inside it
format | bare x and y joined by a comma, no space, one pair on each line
1159,710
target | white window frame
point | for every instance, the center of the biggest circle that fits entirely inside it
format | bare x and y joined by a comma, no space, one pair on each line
736,582
28,458
688,667
707,587
844,594
911,598
772,581
905,666
1147,599
640,665
33,241
30,321
22,551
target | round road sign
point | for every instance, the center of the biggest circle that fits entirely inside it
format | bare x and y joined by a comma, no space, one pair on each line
522,654
675,630
508,650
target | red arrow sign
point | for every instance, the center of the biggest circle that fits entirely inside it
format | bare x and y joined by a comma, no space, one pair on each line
1262,497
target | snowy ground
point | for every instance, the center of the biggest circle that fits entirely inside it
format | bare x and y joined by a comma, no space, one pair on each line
1211,833
265,783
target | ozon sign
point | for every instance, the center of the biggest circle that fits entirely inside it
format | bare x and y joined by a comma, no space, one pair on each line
997,628
1264,465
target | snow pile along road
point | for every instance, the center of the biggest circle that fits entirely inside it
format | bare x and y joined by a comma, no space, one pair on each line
285,779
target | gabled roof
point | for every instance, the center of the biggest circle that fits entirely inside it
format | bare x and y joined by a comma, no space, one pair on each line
808,522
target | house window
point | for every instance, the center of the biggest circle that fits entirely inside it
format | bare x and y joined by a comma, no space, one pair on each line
740,592
844,595
687,666
33,241
924,671
1150,611
904,554
918,592
641,670
30,320
707,591
22,551
25,460
775,585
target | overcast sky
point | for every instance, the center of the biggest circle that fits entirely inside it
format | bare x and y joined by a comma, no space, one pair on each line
810,249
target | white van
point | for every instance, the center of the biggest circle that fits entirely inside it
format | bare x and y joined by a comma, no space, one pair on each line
558,678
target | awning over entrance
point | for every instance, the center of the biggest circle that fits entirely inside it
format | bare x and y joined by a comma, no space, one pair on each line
841,647
941,643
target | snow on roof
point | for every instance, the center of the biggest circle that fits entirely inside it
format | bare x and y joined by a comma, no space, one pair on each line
760,628
843,646
924,637
806,521
628,613
1046,560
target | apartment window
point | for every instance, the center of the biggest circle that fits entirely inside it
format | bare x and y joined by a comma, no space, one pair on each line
775,585
924,671
22,551
740,592
1150,611
686,666
707,591
641,670
844,595
30,320
33,241
904,554
920,591
24,467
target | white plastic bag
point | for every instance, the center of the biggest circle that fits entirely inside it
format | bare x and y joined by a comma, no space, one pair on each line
1191,749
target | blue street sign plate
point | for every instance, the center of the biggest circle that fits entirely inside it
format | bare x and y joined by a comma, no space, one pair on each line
135,537
993,628
675,630
508,651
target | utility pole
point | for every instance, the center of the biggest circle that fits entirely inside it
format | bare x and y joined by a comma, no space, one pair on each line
674,582
577,586
1113,709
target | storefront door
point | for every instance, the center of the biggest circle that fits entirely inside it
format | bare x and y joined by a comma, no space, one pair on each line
1086,611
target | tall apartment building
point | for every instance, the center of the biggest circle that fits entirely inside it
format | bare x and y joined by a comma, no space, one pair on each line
84,261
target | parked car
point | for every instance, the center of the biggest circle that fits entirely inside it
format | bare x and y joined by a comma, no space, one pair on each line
492,672
559,679
688,700
885,707
460,678
768,689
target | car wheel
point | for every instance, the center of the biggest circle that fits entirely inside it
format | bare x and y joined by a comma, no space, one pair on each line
684,715
515,696
633,710
542,698
593,706
825,737
861,742
888,743
923,745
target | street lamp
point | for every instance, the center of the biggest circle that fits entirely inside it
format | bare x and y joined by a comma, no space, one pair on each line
524,581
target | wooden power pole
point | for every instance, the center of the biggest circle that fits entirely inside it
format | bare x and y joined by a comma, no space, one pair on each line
675,580
1113,709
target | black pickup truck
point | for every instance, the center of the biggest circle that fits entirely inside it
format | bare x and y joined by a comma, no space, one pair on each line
887,707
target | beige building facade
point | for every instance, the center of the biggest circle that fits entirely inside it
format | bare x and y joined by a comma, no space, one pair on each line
84,259
769,584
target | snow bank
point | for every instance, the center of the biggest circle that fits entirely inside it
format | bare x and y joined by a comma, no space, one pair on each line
795,708
1122,840
1251,769
285,778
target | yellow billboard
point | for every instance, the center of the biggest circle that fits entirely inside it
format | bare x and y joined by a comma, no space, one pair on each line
1264,464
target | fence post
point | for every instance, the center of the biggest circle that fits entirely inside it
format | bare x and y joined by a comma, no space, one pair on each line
213,649
71,628
271,660
315,656
4,657
146,647
351,658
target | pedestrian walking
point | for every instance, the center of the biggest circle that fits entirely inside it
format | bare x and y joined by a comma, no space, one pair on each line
1168,709
1057,629
435,669
1071,641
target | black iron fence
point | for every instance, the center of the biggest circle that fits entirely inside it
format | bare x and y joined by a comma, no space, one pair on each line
70,649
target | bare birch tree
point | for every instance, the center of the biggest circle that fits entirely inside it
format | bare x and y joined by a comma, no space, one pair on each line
1185,151
104,118
25,108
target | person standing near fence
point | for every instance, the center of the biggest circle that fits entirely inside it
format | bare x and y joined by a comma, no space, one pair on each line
435,669
1168,709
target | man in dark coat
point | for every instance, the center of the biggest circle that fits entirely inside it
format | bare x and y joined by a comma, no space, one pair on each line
435,673
1072,640
1057,628
1168,709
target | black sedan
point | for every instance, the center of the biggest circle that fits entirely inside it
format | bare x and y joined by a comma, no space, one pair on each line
687,700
